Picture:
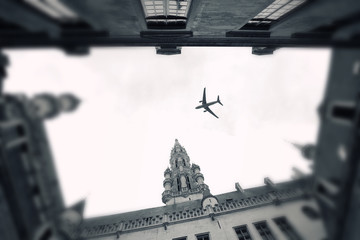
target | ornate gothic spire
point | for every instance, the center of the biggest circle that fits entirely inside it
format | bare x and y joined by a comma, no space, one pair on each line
183,180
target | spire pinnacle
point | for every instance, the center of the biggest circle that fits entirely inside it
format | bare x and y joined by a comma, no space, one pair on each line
183,180
177,147
306,150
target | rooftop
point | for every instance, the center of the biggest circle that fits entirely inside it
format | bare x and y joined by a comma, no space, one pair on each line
191,210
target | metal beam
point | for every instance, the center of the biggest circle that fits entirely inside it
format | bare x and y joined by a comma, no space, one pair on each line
122,41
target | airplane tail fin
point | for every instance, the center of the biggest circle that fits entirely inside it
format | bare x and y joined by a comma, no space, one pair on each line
218,100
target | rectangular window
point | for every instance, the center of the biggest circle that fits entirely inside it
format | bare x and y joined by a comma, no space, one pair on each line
178,184
188,182
286,228
342,112
54,9
278,9
180,238
166,13
271,14
264,231
242,233
203,236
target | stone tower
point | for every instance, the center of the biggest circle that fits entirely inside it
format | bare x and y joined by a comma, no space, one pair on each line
183,180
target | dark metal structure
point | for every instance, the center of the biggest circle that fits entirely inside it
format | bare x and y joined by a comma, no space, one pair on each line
260,23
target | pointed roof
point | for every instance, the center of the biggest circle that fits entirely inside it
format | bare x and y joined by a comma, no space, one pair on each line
79,207
306,150
167,171
177,145
207,194
194,166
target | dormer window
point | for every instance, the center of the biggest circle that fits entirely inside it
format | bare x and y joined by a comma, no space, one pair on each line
166,13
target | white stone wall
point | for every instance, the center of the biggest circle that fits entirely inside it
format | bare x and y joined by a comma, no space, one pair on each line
191,197
222,227
209,201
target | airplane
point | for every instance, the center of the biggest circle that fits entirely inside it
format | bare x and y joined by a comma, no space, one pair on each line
206,105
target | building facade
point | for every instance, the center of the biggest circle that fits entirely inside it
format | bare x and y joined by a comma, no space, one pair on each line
31,202
272,211
265,25
168,25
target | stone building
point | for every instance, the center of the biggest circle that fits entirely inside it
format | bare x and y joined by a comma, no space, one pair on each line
273,211
169,25
75,26
31,202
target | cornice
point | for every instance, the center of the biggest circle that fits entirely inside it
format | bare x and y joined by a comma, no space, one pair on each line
176,217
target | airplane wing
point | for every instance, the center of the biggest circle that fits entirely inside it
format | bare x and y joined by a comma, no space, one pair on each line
208,109
204,97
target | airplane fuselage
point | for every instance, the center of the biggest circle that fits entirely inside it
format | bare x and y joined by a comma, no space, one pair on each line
206,105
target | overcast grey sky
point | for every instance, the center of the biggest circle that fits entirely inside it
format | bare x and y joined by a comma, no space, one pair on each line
114,149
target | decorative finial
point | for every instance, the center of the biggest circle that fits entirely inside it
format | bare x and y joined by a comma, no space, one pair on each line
307,150
195,166
167,171
68,102
298,146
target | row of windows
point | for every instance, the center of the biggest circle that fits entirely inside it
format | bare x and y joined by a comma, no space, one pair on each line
202,236
265,232
171,13
263,229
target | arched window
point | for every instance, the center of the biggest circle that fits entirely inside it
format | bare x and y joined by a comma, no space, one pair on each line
188,182
184,162
176,163
178,184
